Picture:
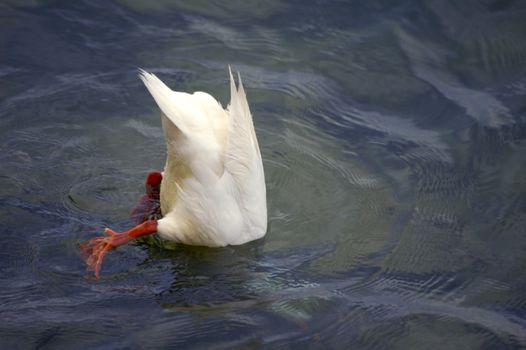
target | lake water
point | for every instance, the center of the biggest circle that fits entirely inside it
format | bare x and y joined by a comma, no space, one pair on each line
393,135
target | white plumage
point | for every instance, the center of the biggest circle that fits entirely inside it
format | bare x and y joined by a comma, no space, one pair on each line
212,191
213,187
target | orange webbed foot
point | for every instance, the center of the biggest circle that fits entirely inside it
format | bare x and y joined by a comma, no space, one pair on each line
94,250
148,205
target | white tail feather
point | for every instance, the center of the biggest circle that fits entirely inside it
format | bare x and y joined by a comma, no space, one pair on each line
165,98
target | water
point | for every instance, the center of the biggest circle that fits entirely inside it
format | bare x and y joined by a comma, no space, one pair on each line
393,136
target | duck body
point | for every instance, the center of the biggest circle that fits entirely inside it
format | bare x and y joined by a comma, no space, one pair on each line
213,187
212,191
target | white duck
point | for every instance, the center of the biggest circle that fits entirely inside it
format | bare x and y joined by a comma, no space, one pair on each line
212,190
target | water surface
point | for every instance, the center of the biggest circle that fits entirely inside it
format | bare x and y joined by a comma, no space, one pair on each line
393,136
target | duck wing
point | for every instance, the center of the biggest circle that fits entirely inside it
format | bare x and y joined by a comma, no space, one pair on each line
243,159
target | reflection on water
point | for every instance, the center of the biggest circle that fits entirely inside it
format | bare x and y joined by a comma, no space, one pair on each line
393,138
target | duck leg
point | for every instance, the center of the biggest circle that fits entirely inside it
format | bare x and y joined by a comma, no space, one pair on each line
94,250
148,205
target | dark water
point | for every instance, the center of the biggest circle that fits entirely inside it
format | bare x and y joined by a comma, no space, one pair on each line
394,141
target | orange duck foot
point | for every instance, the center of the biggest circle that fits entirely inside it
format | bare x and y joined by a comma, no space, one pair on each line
148,206
94,250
